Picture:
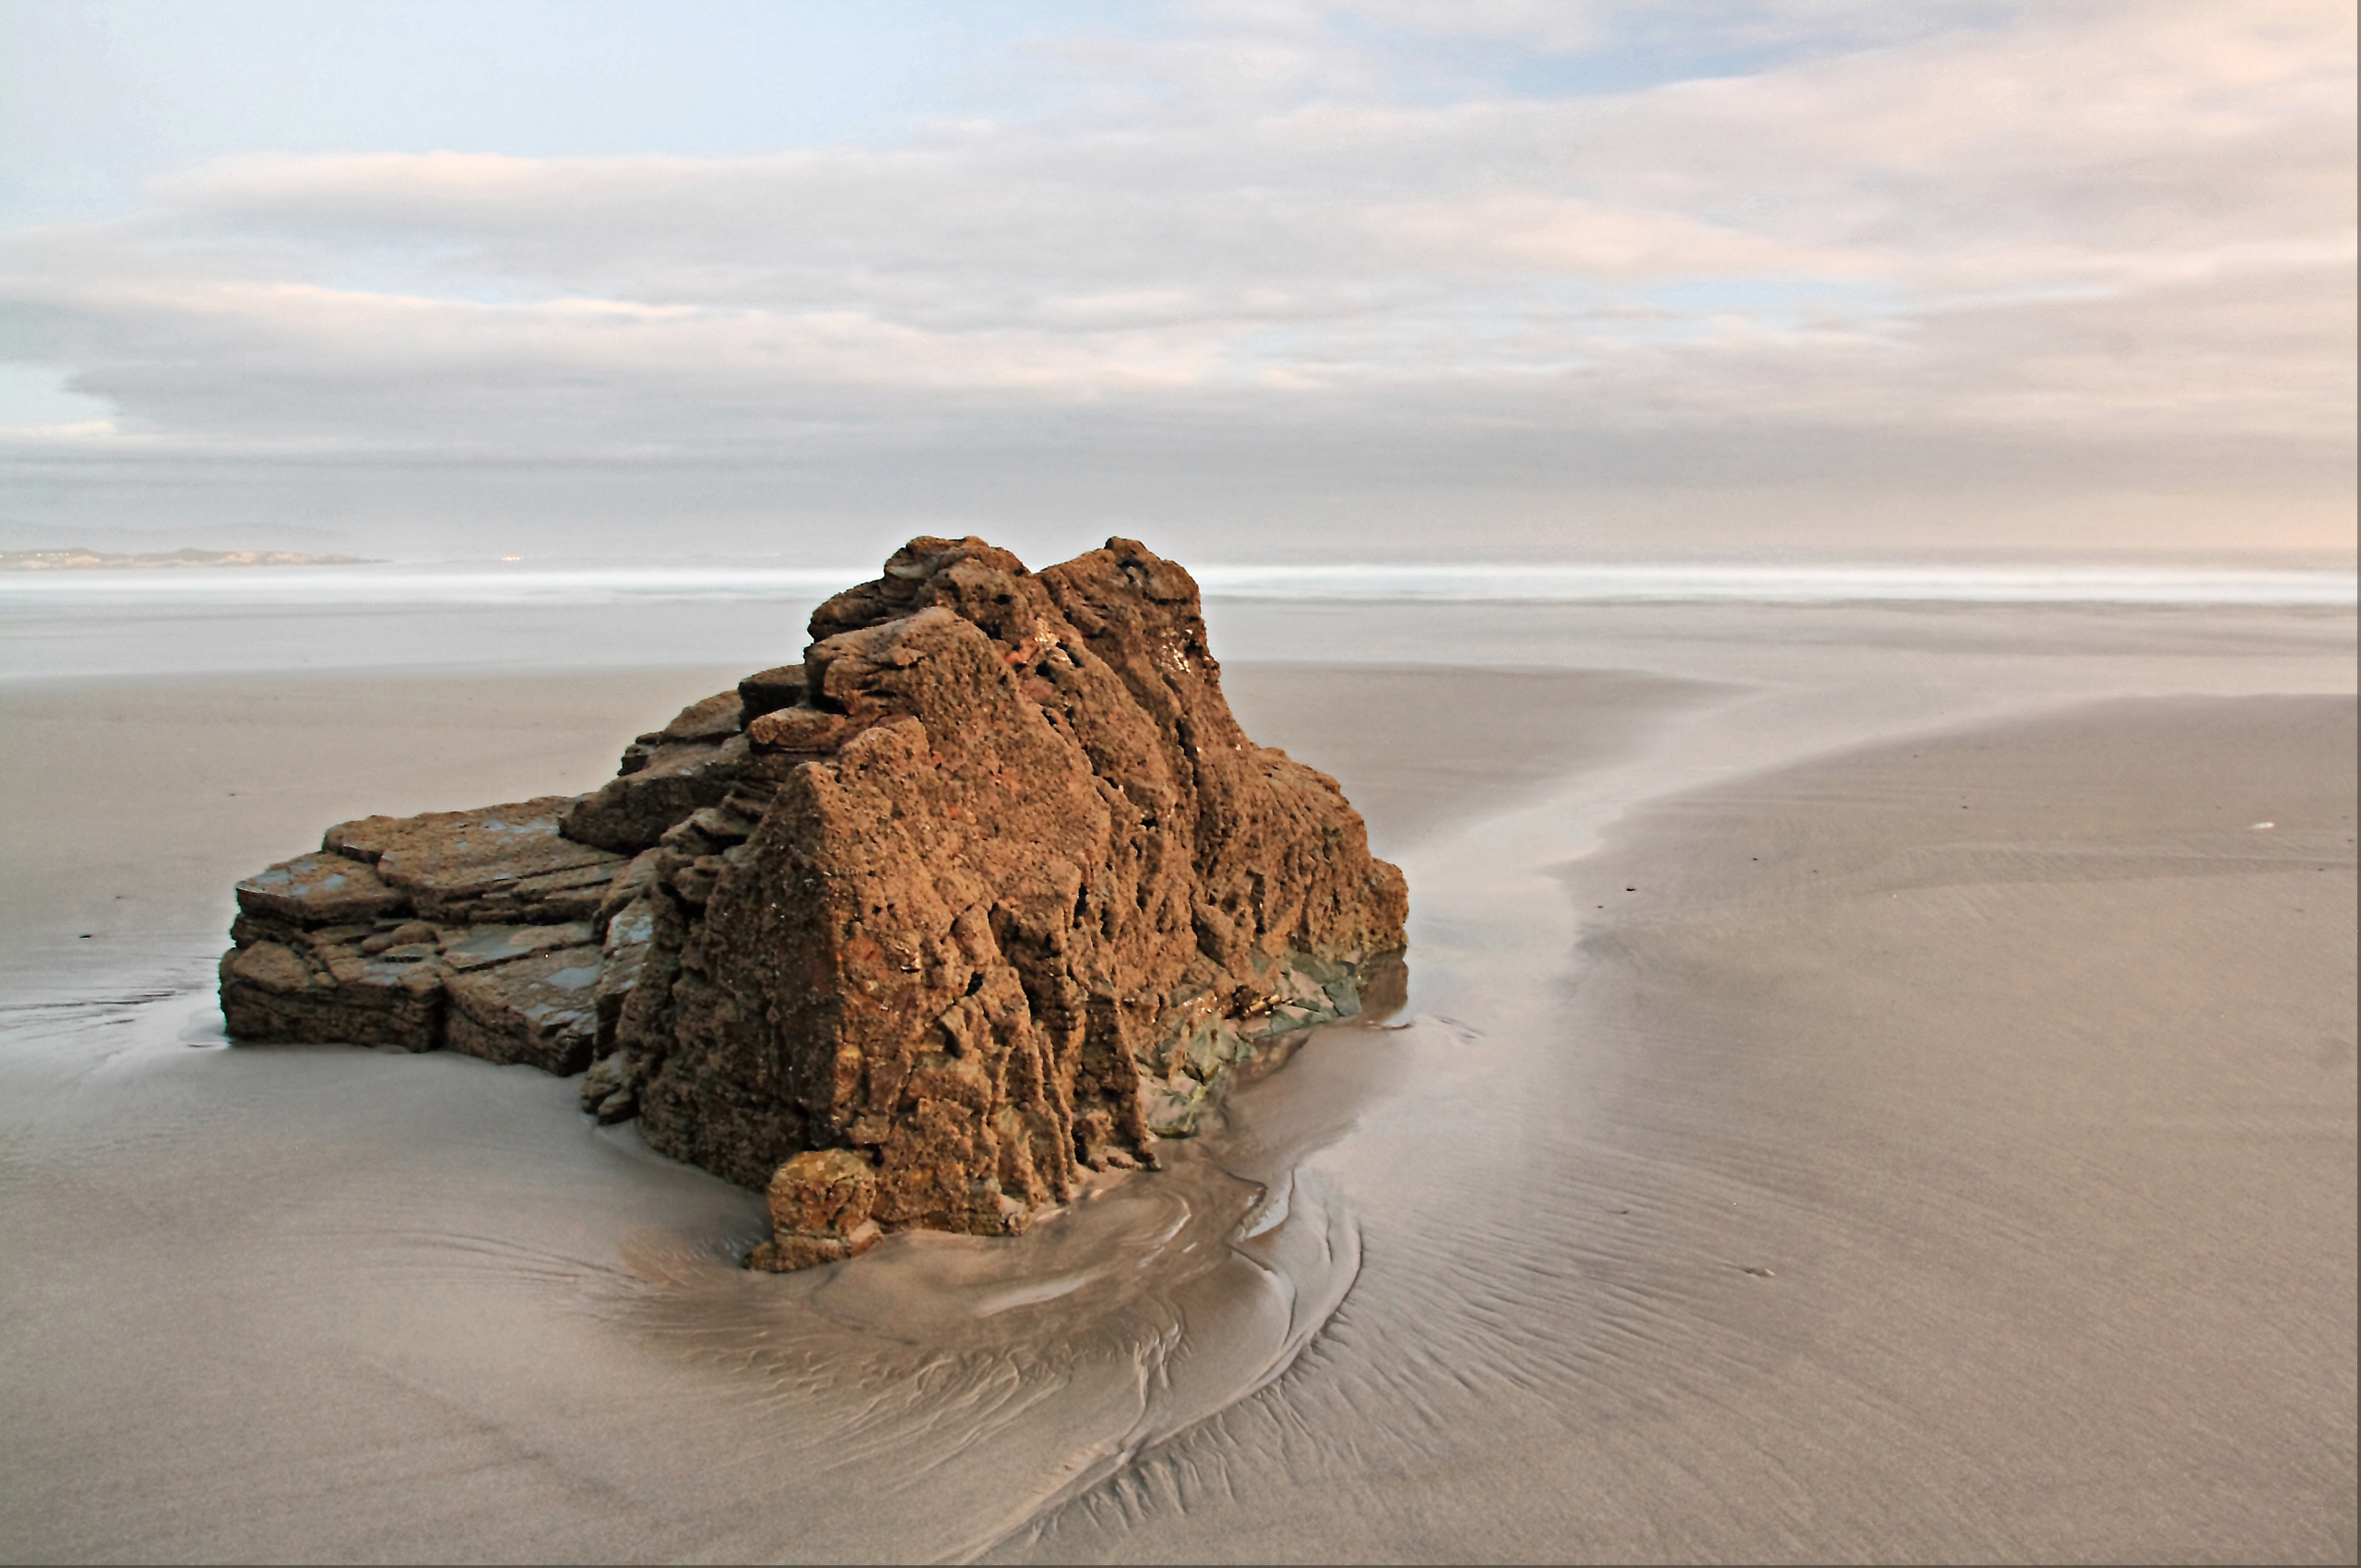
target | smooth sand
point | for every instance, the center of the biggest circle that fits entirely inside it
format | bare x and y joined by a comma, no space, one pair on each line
2041,1132
129,799
1947,1153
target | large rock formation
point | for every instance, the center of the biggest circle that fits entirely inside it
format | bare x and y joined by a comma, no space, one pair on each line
990,889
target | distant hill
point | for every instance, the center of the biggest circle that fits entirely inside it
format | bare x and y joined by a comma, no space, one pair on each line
108,560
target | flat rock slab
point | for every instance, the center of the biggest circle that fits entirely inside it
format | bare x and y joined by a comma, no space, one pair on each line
556,897
466,867
480,947
272,991
320,889
539,1011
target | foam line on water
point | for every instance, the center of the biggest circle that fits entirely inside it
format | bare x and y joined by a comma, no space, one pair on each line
1785,584
1478,582
426,585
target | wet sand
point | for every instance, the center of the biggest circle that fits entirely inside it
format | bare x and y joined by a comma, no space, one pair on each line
2038,1134
1944,1152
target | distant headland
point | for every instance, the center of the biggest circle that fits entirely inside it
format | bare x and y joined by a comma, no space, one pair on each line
76,560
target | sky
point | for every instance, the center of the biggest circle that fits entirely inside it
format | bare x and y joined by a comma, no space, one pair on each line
1480,281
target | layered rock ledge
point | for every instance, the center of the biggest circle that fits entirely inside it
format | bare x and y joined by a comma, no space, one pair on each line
992,889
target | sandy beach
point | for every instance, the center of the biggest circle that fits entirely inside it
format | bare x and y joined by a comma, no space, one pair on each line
1817,540
1947,1153
1871,1085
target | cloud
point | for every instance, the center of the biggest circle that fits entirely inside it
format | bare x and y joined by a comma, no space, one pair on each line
2125,231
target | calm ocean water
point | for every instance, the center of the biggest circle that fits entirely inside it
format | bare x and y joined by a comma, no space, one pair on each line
90,623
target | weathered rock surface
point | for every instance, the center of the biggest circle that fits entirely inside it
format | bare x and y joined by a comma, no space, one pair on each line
299,989
990,890
316,890
500,863
539,1011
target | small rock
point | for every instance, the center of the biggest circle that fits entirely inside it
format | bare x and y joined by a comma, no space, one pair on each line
623,958
820,1204
630,814
320,889
408,935
480,947
717,718
770,690
800,730
539,1011
609,1089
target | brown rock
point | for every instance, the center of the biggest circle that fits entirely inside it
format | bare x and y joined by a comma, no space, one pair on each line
539,1011
820,1204
623,956
800,730
716,719
268,966
609,1090
992,889
480,947
321,889
770,690
273,991
786,1253
630,813
502,863
1042,883
412,933
823,1191
310,964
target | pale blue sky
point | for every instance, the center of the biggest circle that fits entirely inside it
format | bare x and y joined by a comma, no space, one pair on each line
106,93
104,96
1252,278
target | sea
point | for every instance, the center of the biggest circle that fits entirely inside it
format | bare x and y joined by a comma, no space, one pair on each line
538,614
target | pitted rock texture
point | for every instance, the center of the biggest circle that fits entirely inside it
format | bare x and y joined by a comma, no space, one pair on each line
990,890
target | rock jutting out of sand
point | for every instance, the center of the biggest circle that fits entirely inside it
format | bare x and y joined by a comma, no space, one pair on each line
990,890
